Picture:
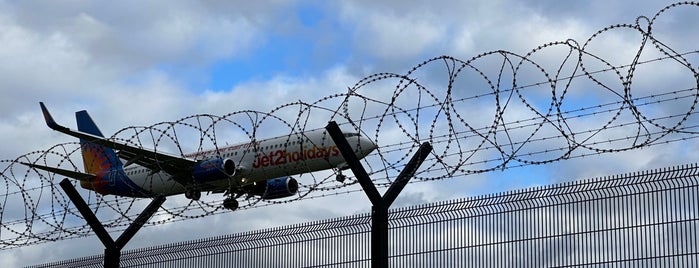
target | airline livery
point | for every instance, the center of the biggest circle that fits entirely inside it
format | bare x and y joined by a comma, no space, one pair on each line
257,168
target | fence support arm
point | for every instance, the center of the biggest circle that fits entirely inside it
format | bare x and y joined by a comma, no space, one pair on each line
380,204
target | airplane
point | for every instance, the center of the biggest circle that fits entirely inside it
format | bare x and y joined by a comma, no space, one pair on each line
257,168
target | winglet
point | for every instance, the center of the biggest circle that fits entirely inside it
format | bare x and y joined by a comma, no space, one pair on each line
49,119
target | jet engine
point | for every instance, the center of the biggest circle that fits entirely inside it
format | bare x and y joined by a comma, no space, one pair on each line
275,188
213,169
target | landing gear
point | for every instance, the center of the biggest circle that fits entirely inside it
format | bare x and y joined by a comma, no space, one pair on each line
192,194
230,203
340,178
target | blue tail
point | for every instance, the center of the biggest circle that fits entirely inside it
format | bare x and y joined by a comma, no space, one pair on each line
97,159
105,163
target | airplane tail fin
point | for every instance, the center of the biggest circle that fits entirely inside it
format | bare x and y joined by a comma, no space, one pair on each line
96,158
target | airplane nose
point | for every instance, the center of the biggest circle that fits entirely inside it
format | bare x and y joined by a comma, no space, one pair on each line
367,146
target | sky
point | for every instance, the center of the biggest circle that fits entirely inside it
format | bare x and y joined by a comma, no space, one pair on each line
137,63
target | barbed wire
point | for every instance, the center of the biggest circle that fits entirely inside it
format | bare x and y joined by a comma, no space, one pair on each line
497,110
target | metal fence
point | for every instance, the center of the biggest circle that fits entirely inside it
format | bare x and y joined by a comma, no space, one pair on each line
644,219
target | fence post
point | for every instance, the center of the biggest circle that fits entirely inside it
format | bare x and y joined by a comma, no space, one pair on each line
381,204
112,249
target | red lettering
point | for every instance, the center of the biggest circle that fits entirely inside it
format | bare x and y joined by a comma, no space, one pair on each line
256,163
310,154
281,157
336,151
326,155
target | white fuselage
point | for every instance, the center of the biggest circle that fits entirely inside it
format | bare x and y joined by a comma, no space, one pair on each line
260,160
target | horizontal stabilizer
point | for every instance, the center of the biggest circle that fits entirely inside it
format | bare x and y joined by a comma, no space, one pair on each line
68,173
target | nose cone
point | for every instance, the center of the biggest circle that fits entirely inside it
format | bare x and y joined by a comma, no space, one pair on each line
366,146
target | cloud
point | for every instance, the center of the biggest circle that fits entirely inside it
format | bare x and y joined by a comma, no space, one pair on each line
134,63
386,37
145,34
35,64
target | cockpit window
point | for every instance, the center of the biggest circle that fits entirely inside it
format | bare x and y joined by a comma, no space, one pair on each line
348,135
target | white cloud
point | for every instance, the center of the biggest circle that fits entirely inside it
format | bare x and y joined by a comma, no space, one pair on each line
264,96
34,64
398,36
112,59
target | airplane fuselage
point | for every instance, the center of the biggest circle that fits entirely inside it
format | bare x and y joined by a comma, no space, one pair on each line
255,161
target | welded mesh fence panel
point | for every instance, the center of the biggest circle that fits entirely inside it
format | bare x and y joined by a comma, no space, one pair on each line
634,220
645,219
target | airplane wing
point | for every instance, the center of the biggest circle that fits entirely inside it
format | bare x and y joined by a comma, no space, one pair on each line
68,173
156,161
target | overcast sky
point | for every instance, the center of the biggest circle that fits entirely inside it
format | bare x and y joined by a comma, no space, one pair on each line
143,62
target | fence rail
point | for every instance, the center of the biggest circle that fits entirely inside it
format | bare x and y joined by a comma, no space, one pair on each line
643,219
